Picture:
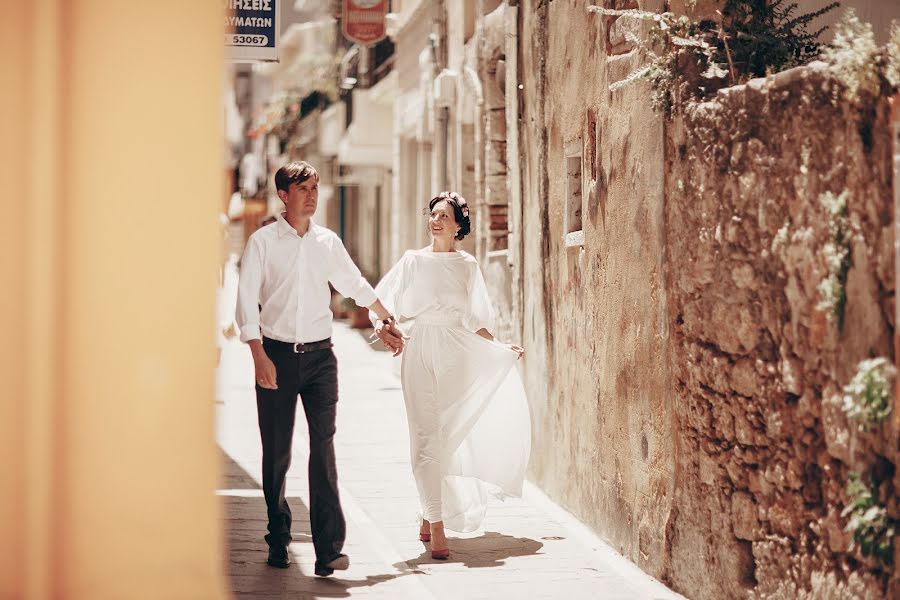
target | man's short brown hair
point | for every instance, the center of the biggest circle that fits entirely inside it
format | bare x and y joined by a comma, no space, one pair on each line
295,172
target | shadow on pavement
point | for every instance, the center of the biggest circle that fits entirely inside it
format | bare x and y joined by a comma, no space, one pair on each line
246,551
488,550
234,477
334,587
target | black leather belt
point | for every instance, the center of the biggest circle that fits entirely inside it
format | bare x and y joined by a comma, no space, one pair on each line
299,347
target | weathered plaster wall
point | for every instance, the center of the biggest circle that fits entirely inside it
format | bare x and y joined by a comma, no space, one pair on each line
535,300
603,441
685,391
764,447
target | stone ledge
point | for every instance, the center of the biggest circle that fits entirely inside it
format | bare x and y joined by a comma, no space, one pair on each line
762,85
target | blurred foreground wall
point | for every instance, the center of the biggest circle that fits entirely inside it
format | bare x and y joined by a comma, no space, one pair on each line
111,167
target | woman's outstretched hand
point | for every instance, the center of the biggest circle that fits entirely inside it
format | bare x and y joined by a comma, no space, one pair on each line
489,336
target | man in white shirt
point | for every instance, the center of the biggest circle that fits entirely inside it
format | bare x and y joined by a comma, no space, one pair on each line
284,314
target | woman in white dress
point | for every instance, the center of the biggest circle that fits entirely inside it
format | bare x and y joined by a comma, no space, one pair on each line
469,426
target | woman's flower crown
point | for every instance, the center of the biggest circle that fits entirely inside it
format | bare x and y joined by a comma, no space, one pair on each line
460,201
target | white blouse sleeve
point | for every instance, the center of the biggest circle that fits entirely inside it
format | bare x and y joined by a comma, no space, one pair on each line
481,311
392,287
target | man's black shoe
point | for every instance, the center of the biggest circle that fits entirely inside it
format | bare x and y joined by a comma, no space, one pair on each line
340,563
279,557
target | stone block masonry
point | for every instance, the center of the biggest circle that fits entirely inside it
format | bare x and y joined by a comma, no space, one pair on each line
764,446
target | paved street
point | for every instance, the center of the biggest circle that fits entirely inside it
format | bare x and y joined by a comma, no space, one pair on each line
528,548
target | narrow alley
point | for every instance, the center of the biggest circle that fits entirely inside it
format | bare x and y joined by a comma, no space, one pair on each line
528,548
676,221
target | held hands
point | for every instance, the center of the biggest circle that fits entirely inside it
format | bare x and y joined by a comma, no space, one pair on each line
391,336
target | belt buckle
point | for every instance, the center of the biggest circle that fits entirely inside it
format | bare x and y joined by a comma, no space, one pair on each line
296,350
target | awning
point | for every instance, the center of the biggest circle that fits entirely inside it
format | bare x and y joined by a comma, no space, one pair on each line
368,140
331,128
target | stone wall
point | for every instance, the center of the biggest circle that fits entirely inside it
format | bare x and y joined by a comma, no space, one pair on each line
685,390
764,448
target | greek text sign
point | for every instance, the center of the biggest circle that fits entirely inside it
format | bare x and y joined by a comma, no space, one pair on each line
251,30
362,21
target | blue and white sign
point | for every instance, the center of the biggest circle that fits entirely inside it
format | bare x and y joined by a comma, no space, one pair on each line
251,30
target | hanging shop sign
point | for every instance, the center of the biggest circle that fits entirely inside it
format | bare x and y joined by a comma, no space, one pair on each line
251,30
363,21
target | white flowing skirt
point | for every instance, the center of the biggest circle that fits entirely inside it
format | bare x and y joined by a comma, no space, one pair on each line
469,426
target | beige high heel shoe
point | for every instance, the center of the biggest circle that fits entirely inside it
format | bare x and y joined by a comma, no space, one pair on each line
440,554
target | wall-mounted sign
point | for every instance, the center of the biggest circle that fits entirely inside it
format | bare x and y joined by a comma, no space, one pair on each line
362,21
251,30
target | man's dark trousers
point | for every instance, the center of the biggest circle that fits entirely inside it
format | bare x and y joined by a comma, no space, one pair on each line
312,375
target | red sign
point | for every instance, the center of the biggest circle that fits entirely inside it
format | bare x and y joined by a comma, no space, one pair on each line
363,20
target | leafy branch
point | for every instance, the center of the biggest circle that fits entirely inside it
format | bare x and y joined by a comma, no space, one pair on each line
767,36
690,59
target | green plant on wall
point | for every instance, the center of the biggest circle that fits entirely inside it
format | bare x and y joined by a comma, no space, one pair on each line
838,259
674,35
854,58
868,397
696,57
873,530
893,56
764,36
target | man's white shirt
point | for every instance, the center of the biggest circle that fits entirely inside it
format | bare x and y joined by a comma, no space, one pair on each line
288,276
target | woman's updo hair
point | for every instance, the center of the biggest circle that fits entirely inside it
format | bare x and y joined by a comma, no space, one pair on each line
460,211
